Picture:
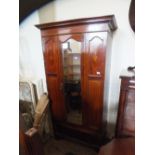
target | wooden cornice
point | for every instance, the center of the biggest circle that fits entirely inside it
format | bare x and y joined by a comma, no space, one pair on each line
110,20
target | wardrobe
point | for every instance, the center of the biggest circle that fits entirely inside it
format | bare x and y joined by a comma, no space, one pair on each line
77,57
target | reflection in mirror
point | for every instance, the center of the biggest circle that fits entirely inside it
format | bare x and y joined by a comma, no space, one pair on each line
71,55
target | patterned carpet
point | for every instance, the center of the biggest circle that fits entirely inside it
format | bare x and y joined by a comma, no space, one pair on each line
64,147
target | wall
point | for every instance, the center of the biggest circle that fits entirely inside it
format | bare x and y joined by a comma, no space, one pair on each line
47,13
31,64
122,46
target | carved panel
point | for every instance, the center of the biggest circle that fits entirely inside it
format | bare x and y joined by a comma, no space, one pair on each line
96,56
95,91
94,68
50,56
58,109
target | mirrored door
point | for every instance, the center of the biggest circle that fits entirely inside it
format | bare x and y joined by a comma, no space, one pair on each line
71,60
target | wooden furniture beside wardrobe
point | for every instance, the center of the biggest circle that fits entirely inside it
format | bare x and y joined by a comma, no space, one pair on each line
124,141
29,140
126,111
79,83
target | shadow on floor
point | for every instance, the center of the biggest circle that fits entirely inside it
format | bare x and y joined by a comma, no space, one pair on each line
65,147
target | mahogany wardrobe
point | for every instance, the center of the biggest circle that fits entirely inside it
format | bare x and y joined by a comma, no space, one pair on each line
77,57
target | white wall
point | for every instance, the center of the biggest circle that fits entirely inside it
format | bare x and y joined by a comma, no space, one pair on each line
122,46
47,13
31,64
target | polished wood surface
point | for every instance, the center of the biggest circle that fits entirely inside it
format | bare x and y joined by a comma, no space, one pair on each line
110,20
93,34
124,141
96,24
126,113
29,141
94,70
122,146
53,74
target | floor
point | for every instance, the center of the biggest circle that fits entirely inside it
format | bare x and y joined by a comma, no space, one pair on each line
64,147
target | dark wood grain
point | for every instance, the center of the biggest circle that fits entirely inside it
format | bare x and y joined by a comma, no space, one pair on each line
29,141
125,127
51,55
95,24
53,74
92,33
94,76
123,146
110,20
126,113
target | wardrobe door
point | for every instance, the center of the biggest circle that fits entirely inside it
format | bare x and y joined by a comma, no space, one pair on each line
71,47
52,68
94,71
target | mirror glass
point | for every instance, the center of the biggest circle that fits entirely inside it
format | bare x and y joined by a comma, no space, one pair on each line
71,55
